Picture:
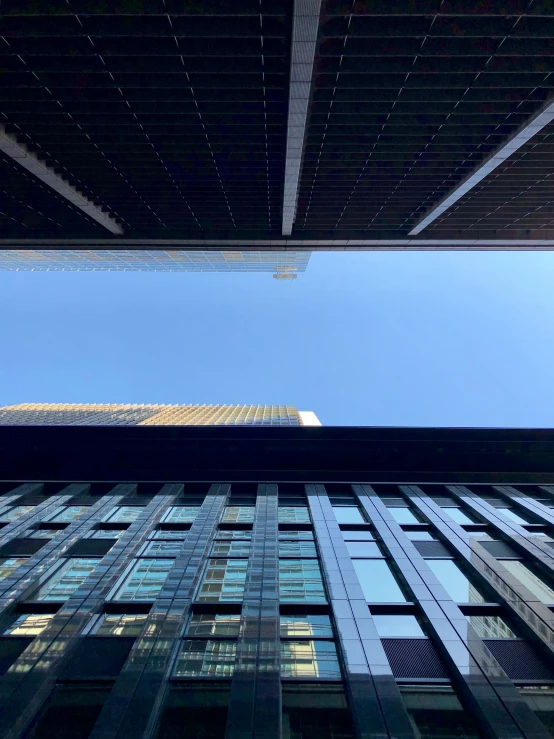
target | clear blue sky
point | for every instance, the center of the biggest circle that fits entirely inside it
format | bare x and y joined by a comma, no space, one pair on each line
430,338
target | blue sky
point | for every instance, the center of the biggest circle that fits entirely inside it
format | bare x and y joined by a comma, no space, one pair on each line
425,338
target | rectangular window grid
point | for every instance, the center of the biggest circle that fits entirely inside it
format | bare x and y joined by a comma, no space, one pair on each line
309,659
121,624
238,514
29,624
12,514
181,514
300,581
224,580
123,514
294,514
213,624
67,579
145,580
10,565
199,658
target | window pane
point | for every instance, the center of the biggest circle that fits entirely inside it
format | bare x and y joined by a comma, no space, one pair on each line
67,579
70,513
216,624
247,535
12,514
437,713
181,514
163,548
163,534
377,581
200,658
315,659
306,626
223,580
296,514
530,580
297,549
510,513
348,514
231,549
358,535
43,533
145,580
300,580
403,515
298,535
454,581
420,536
10,565
363,549
121,624
491,627
403,626
238,514
29,624
456,514
105,534
123,514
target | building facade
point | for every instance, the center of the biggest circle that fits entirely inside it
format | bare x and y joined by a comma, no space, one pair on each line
118,414
296,583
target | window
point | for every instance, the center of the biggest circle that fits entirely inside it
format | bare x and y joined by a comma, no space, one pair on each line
456,514
162,548
105,534
397,626
300,580
145,580
247,535
238,514
296,514
528,578
29,624
69,513
453,580
510,513
437,712
378,583
12,514
362,535
224,580
491,627
348,514
297,549
181,514
214,624
403,514
296,535
420,536
231,549
67,579
306,625
121,624
167,534
42,533
363,549
312,659
321,711
10,565
199,658
123,514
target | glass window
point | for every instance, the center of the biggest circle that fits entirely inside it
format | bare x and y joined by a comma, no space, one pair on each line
43,533
69,513
297,535
181,514
365,535
300,580
491,627
105,534
214,624
394,626
67,579
12,514
238,514
348,514
315,659
420,536
403,515
311,625
454,581
540,699
10,565
224,580
378,583
123,514
29,624
297,549
528,578
247,535
231,549
363,549
121,624
163,548
456,514
296,514
437,713
511,514
165,534
199,658
145,580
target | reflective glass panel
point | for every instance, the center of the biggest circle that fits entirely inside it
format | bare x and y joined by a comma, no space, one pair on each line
393,626
511,514
29,624
420,536
10,565
294,514
67,579
214,624
532,582
363,549
358,535
491,627
70,513
145,580
437,713
12,514
163,548
454,581
224,580
199,658
43,533
300,580
312,659
247,535
348,514
403,515
298,535
163,534
238,514
378,583
311,625
456,514
297,549
181,514
123,514
105,534
231,549
121,624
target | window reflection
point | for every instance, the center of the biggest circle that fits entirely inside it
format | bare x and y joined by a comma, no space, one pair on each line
224,580
121,624
403,515
67,579
308,625
491,627
348,514
300,580
199,658
238,514
397,626
532,582
294,514
378,583
145,580
453,580
10,565
309,659
29,624
456,514
12,514
437,713
214,624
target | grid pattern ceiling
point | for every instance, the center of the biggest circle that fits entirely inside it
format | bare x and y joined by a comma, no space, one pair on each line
172,116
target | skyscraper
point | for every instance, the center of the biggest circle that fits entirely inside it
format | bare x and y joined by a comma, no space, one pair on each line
114,414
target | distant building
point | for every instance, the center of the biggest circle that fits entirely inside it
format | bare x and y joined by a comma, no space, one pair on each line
118,414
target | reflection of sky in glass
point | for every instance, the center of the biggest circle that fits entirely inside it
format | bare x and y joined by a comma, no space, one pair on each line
420,536
533,583
397,626
510,513
377,581
491,627
348,514
456,514
454,581
363,549
403,515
